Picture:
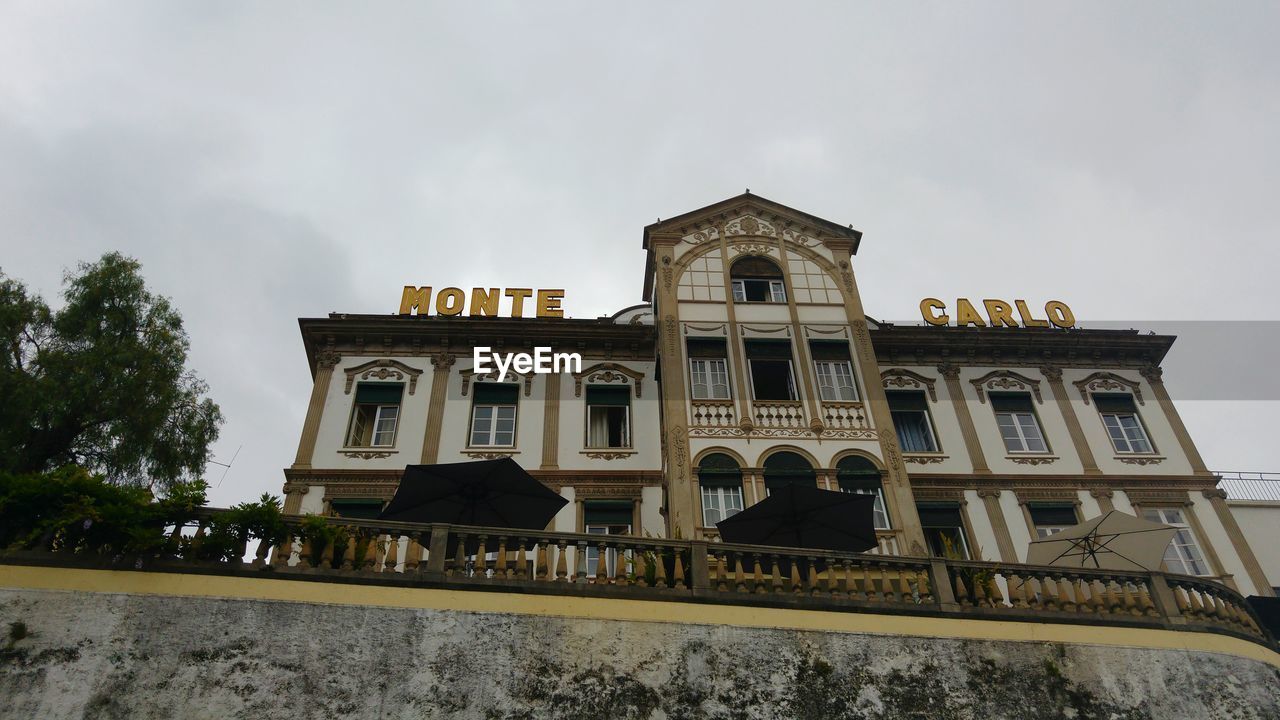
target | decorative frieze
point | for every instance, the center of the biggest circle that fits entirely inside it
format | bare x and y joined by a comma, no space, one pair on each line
1140,459
1005,380
1108,382
382,369
900,378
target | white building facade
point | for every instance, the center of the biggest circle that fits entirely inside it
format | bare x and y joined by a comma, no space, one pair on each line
753,364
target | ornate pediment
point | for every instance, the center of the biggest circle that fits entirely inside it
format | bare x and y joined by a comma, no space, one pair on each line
998,380
470,376
1108,382
901,378
383,369
607,373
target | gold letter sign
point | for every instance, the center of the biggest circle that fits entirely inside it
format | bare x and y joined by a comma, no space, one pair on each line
999,313
416,300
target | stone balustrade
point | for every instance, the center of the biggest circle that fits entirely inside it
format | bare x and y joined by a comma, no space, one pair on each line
666,569
778,414
713,413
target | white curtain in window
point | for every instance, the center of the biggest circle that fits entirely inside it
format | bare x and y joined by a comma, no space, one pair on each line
597,426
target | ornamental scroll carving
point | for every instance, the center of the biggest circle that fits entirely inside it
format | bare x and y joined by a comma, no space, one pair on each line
903,378
1006,380
750,226
469,376
607,373
743,248
1108,382
701,236
384,369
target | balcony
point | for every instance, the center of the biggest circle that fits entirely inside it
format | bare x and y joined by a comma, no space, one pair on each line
551,563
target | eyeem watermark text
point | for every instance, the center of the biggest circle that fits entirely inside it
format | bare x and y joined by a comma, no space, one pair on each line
543,362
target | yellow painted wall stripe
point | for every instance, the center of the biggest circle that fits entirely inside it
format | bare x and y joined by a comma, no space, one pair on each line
561,606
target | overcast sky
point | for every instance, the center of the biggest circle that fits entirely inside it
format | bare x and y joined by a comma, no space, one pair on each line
266,161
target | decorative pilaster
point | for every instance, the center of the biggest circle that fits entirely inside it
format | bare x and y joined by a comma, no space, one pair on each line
442,362
326,361
1103,496
951,374
1054,376
1154,377
1218,498
1004,542
551,423
681,517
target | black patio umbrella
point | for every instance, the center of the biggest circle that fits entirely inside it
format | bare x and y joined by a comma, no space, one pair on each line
800,516
490,493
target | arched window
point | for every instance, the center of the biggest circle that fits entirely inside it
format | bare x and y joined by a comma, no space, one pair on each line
859,475
721,481
787,468
757,279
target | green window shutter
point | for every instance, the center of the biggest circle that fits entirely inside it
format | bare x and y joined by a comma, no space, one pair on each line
607,513
906,400
1115,403
828,351
496,393
614,396
1053,515
939,515
357,508
768,349
379,393
707,348
1011,402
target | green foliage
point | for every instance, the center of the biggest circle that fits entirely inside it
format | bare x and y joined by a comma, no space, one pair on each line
101,383
70,510
229,532
320,533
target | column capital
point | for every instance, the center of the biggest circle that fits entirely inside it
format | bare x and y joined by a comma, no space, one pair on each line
443,360
1102,492
1052,373
988,492
328,358
1152,374
1217,493
949,370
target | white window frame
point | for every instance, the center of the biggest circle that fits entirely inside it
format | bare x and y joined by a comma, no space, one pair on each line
777,290
1183,553
1018,421
791,379
721,495
626,427
374,430
928,426
835,386
611,554
1125,437
491,432
712,378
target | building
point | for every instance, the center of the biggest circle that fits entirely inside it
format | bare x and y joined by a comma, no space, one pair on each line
751,364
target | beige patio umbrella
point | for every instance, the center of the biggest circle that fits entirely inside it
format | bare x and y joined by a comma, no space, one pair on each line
1113,541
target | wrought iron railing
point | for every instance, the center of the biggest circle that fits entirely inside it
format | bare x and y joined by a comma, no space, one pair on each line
1250,485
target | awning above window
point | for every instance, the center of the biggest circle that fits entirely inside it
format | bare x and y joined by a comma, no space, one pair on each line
1011,402
1053,515
829,351
768,349
607,513
379,393
906,400
614,396
940,515
1115,403
496,393
707,348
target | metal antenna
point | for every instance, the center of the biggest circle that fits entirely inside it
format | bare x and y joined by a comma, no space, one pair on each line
227,465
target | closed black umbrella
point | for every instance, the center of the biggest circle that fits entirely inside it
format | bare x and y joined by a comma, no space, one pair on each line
489,493
800,516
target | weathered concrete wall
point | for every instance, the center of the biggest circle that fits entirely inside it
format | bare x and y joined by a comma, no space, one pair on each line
137,656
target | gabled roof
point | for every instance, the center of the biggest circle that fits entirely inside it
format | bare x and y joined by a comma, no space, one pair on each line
744,204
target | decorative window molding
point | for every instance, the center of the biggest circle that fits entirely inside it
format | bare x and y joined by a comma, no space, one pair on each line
923,459
1108,382
1158,497
1031,459
383,369
484,455
1140,460
1006,380
937,494
1048,495
608,454
469,376
903,378
607,373
368,454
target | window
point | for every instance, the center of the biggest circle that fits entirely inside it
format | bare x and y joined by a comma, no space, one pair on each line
373,420
606,518
835,371
859,475
943,527
1183,554
1017,421
708,369
787,468
721,481
1120,417
359,508
770,365
1049,518
756,279
608,417
493,414
910,412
